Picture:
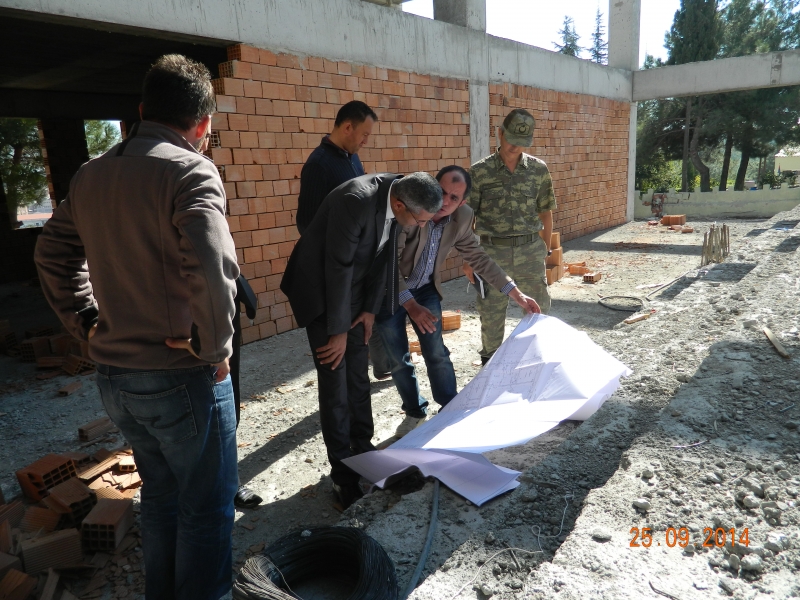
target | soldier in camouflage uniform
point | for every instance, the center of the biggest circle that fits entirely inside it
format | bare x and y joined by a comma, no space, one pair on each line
513,200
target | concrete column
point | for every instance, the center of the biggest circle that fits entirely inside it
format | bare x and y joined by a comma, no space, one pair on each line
466,13
64,141
623,53
472,15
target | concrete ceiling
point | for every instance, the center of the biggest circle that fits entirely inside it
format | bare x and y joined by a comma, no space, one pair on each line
62,68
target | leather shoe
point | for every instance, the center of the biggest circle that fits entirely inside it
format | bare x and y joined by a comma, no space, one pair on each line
345,495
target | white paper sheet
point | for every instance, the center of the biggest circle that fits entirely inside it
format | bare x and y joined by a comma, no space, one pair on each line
544,373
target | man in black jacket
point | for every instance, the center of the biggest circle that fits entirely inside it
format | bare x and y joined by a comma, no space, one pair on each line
335,280
335,160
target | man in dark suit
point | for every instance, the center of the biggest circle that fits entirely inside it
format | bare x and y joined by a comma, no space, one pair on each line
335,281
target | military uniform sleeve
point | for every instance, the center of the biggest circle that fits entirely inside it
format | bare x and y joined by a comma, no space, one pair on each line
476,174
545,199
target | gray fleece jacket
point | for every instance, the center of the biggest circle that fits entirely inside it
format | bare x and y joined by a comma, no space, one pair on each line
141,247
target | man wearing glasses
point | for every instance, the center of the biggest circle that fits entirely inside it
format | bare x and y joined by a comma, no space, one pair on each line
422,252
336,278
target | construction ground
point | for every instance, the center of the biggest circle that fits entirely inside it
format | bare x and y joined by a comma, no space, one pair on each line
703,436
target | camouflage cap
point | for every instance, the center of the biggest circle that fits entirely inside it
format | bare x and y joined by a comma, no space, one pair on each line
518,128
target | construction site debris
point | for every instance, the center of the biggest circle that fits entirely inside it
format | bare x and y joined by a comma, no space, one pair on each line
49,362
45,473
12,513
74,497
16,585
39,519
716,244
774,340
8,562
95,429
92,471
57,549
70,388
34,348
592,277
106,525
636,318
50,584
451,320
77,365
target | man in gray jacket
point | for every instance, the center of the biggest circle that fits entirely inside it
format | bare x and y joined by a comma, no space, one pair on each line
422,251
147,221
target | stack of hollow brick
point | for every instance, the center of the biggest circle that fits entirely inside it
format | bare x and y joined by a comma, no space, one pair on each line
584,141
554,263
62,511
274,109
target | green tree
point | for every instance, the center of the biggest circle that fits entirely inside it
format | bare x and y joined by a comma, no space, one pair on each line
599,49
101,136
693,37
569,39
22,178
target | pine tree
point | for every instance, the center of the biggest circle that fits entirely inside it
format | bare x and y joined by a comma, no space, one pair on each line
569,39
22,175
599,49
693,37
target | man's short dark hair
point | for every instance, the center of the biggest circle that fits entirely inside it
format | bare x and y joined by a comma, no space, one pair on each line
177,91
419,191
461,171
356,112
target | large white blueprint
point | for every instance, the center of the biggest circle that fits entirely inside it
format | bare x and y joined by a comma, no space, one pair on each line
544,373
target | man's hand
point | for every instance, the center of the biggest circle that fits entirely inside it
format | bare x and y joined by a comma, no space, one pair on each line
367,319
468,271
223,368
333,351
527,303
92,331
421,316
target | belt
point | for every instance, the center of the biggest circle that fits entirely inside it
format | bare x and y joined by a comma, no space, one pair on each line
514,240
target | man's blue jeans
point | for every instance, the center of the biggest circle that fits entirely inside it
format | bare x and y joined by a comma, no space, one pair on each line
442,377
182,427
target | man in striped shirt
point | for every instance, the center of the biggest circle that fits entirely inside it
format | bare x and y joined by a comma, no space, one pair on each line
422,252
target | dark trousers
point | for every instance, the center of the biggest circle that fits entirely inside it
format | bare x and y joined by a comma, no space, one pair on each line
345,408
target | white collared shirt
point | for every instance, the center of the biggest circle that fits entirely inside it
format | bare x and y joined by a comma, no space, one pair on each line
387,224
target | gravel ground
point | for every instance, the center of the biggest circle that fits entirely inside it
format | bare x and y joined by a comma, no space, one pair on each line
699,376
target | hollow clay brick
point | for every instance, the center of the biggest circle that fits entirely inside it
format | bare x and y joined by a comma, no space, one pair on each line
16,585
37,518
58,549
106,525
47,472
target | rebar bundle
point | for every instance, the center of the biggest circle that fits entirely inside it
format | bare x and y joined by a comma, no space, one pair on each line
716,244
343,553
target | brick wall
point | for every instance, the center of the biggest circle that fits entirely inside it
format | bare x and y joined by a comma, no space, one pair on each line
273,111
584,141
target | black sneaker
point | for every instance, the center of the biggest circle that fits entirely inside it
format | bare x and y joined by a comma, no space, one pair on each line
345,495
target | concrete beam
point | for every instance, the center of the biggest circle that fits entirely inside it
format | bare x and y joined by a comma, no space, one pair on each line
349,30
37,104
775,69
514,62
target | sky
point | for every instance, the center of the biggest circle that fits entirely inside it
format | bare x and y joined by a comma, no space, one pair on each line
537,22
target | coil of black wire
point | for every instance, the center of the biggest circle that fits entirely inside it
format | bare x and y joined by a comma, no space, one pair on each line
346,554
